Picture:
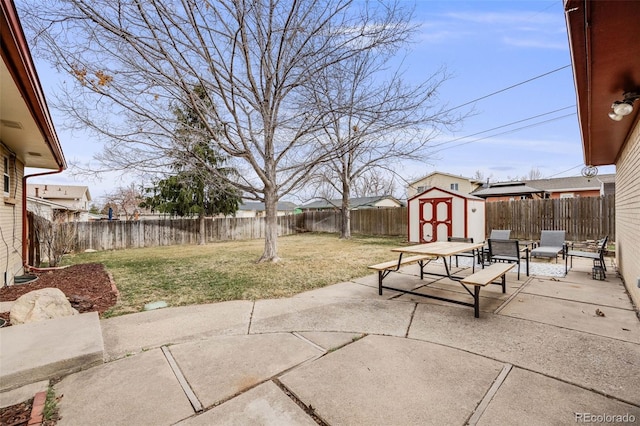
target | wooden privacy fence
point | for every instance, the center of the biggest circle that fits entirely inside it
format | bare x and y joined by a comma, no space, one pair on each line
385,221
586,218
583,218
116,234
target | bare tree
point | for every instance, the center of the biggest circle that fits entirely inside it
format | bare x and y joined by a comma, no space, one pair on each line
374,183
371,121
125,200
132,59
56,239
534,174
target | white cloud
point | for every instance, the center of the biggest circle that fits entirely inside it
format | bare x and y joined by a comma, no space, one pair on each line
503,18
526,29
534,43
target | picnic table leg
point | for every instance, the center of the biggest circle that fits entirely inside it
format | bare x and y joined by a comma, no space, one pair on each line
380,277
476,301
504,283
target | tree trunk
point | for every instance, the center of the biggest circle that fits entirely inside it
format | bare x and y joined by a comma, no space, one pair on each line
201,237
345,212
271,228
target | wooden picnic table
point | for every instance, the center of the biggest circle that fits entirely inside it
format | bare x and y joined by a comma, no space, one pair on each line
444,249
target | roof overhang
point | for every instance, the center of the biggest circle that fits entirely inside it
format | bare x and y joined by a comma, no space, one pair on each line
604,41
26,127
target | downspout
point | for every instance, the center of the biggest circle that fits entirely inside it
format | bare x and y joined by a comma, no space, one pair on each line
25,263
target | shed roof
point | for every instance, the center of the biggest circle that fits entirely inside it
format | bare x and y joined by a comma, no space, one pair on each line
448,191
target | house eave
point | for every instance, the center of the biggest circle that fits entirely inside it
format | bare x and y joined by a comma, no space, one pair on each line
39,148
600,33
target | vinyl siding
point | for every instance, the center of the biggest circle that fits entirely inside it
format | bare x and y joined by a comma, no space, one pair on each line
441,181
628,214
11,223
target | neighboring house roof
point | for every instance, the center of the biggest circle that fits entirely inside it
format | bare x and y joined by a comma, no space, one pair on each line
507,189
97,216
540,186
446,174
58,192
603,41
283,206
353,202
44,202
573,183
27,127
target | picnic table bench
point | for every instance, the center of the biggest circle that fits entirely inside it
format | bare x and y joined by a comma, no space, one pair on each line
385,268
484,277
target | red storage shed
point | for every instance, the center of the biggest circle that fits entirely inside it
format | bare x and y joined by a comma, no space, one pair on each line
436,214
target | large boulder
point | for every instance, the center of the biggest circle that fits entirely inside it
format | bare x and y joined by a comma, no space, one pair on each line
40,305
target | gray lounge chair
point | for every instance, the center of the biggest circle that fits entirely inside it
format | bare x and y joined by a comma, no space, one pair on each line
551,244
596,256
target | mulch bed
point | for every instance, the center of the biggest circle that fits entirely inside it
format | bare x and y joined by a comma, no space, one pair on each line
88,287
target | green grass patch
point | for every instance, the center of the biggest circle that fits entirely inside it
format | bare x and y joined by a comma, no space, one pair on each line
50,410
187,275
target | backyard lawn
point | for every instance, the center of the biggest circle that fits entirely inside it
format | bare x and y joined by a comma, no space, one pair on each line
186,275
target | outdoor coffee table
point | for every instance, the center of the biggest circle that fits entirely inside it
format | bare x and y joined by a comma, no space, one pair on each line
439,249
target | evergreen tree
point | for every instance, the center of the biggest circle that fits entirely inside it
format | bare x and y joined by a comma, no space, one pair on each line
194,191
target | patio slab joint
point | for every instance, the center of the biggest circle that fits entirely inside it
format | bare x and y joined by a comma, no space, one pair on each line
184,384
477,414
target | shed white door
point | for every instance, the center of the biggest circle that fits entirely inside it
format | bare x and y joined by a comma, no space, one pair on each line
435,219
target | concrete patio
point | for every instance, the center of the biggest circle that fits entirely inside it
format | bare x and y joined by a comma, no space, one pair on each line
549,351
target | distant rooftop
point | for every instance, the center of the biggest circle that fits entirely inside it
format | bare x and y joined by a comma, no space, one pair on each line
259,207
540,186
353,202
61,192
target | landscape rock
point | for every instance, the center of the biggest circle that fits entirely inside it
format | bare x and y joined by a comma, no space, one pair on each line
40,305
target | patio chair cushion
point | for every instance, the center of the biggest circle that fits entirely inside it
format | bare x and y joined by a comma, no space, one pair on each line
551,243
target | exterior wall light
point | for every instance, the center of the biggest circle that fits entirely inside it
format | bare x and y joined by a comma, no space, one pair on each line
622,108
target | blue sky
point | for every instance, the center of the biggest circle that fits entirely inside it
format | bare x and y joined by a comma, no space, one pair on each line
486,46
489,46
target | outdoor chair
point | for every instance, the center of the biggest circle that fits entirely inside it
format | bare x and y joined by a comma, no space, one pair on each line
500,234
470,254
551,244
496,234
507,251
597,256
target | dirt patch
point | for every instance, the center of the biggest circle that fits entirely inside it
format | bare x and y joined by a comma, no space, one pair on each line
87,286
